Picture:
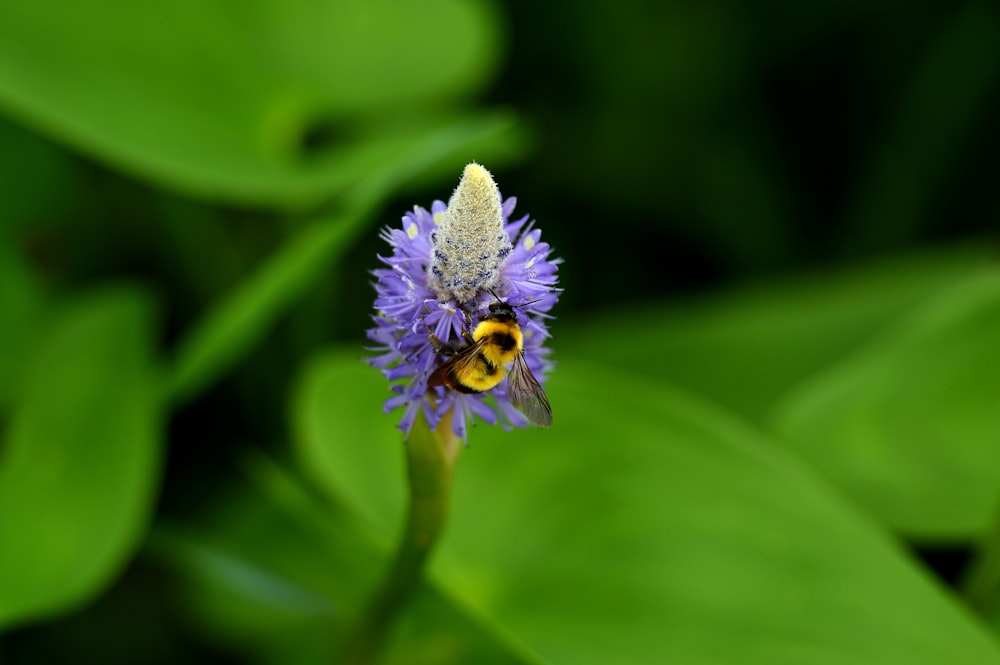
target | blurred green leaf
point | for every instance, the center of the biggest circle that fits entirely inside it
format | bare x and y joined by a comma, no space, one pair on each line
79,463
744,349
264,101
644,526
274,574
37,178
948,101
22,301
243,318
909,424
239,596
325,440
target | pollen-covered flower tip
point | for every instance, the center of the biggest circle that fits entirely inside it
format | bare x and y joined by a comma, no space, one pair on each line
470,243
461,304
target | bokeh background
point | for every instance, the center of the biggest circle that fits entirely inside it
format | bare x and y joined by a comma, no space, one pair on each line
777,401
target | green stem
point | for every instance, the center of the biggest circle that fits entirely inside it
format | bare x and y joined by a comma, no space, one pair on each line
430,459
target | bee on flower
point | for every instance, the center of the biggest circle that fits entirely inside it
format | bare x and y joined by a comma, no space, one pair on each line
461,309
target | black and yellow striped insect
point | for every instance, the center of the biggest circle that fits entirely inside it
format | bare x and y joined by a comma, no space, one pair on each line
479,364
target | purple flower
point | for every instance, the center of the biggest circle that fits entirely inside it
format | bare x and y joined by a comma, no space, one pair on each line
447,267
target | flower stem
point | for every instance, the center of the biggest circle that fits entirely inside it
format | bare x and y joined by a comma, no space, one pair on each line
430,458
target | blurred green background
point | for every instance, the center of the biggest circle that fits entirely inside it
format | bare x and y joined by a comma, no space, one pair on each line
777,401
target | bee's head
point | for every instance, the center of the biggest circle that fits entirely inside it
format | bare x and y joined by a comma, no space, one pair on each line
501,311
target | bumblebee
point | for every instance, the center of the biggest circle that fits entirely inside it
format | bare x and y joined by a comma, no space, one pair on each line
478,365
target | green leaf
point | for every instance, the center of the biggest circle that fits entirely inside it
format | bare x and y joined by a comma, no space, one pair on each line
744,349
243,318
80,459
265,101
327,443
644,526
908,425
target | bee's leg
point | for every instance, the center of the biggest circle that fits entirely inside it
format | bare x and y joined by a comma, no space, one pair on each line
440,347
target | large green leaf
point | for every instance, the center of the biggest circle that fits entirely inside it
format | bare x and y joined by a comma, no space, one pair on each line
747,347
909,425
78,466
263,101
644,526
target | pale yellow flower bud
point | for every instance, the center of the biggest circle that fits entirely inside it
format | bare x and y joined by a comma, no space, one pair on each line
470,244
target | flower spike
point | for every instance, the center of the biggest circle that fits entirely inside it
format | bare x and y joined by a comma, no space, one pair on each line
461,307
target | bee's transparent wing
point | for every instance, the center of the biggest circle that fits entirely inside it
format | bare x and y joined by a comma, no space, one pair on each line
526,394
